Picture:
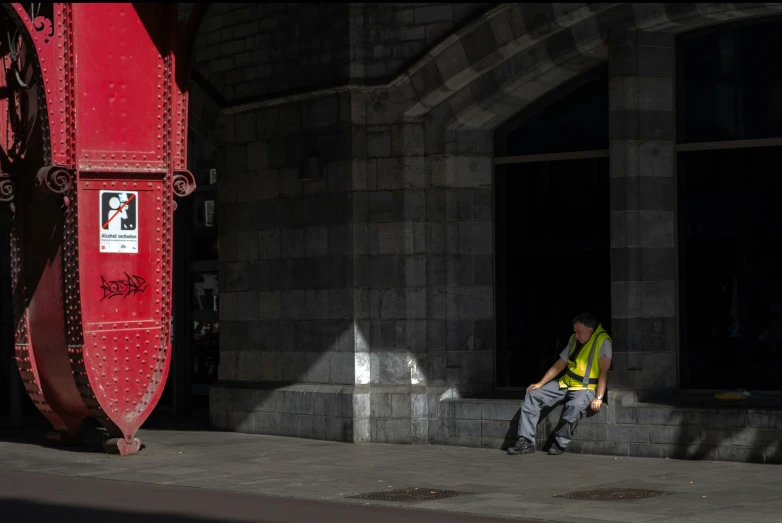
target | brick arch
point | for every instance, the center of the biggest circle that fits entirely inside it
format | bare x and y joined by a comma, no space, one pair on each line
680,18
516,53
497,105
506,59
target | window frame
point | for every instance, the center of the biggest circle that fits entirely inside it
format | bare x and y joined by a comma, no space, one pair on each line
680,147
501,159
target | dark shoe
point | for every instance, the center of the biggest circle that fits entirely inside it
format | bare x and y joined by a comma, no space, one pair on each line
521,447
555,450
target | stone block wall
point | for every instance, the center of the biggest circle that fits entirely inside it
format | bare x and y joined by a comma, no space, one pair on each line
643,203
246,51
665,430
286,262
419,249
424,305
388,36
430,268
476,423
623,427
250,50
298,410
430,258
360,306
377,278
286,266
726,434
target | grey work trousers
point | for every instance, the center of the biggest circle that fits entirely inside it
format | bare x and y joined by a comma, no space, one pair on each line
550,395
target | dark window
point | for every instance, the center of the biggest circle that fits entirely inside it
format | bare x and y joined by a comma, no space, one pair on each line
730,290
730,231
729,84
572,118
553,260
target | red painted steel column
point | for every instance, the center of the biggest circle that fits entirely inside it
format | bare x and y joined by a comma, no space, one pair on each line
94,202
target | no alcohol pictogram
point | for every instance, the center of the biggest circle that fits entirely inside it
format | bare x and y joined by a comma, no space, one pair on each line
119,222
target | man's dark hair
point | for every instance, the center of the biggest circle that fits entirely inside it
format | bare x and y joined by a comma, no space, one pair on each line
587,319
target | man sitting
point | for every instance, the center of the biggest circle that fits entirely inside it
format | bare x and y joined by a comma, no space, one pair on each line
587,358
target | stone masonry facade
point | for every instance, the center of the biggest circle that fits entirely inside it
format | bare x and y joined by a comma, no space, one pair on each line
248,50
357,299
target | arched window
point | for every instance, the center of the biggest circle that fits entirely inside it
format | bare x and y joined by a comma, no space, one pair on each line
729,125
571,118
552,225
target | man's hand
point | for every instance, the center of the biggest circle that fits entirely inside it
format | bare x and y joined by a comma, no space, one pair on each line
596,403
534,386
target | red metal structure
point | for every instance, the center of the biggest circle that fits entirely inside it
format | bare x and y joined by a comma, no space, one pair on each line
92,153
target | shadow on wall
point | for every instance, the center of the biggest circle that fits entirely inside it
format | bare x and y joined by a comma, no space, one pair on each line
311,395
669,429
701,427
513,429
551,426
748,444
396,356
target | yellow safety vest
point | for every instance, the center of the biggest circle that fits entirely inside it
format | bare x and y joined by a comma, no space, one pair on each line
582,368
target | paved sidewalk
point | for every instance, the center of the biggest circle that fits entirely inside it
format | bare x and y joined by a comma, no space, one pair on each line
502,485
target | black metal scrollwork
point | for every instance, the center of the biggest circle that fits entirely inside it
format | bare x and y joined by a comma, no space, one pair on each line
42,24
7,188
184,183
54,179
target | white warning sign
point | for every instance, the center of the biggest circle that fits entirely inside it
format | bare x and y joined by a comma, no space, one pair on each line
119,222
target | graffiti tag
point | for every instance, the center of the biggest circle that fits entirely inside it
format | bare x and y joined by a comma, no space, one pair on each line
131,285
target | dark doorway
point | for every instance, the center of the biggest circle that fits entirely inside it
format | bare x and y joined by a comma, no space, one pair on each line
7,365
730,228
196,327
553,260
16,407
